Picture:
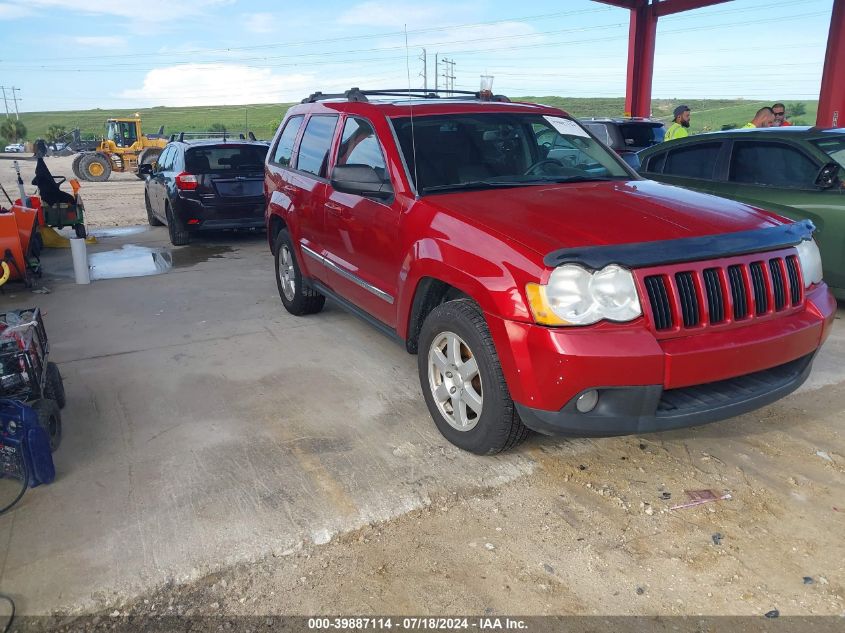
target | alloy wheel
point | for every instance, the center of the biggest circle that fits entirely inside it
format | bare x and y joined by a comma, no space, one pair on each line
454,381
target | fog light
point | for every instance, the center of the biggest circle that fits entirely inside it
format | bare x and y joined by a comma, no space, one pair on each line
587,401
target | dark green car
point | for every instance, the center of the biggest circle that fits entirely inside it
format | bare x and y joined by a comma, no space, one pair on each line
798,172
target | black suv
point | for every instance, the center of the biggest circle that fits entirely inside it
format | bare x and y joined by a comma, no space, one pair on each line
626,135
206,185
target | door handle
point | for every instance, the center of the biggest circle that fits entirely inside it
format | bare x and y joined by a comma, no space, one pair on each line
337,209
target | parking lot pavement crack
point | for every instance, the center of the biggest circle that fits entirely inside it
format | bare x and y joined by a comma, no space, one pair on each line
159,347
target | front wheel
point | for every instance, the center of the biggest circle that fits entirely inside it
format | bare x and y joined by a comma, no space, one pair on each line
80,230
54,387
297,298
463,383
151,216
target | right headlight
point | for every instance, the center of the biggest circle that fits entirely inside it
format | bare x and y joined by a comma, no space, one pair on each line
577,296
811,262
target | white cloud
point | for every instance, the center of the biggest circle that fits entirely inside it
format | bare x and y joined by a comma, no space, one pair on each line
218,84
260,22
13,12
105,41
379,13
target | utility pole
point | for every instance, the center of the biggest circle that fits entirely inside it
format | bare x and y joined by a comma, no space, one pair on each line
449,73
6,103
15,99
436,70
424,74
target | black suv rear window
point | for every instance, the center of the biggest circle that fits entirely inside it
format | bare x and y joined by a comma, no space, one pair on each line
224,158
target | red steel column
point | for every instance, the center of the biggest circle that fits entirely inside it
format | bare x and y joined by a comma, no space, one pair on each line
641,38
832,97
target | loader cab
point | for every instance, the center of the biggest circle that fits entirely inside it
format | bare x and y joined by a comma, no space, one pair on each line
123,132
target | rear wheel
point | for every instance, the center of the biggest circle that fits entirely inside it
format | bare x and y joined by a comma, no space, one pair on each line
463,383
151,218
50,419
75,166
179,236
80,230
95,167
148,156
54,387
297,298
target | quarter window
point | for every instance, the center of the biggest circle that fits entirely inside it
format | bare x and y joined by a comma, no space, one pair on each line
284,149
772,164
314,148
698,161
359,146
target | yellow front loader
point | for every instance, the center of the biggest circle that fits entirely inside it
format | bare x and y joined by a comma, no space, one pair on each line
123,149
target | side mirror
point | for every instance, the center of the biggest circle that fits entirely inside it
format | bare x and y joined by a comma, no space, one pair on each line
827,176
361,180
145,170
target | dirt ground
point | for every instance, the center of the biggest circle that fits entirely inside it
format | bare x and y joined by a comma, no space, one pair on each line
111,203
590,531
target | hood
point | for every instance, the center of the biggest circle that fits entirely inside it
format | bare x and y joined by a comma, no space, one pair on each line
546,218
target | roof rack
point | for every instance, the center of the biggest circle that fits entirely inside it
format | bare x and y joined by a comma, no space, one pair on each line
182,136
358,95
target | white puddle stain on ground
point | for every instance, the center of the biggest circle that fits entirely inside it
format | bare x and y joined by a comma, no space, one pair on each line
129,261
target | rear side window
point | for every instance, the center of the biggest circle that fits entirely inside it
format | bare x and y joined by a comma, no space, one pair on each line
698,161
228,158
772,164
284,149
165,161
642,134
314,148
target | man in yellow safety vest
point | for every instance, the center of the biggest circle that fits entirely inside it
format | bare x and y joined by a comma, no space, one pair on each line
680,127
764,118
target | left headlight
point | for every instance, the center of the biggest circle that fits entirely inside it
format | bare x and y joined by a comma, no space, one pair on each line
576,296
811,262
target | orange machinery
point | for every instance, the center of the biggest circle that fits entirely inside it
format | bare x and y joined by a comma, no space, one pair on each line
19,243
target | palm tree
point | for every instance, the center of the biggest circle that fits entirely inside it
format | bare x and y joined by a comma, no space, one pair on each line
55,132
13,130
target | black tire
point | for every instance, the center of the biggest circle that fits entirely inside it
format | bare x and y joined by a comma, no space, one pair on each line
99,163
75,167
54,386
179,236
300,299
80,230
50,419
497,426
148,156
151,217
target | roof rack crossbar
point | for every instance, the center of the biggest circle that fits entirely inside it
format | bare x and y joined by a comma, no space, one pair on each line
358,95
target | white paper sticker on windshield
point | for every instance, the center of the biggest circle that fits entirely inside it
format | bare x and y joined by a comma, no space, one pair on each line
566,126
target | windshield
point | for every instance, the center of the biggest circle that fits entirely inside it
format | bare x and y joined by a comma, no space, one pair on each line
477,151
833,147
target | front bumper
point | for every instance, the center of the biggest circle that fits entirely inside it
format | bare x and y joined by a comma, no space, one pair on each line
650,384
645,409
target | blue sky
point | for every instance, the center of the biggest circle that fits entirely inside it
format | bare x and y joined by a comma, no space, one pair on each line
81,54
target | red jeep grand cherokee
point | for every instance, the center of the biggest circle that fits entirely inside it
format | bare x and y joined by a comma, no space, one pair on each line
543,283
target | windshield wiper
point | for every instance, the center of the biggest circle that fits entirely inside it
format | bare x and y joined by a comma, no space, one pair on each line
475,184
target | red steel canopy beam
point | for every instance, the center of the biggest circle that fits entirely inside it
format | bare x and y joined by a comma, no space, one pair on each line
832,97
641,39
